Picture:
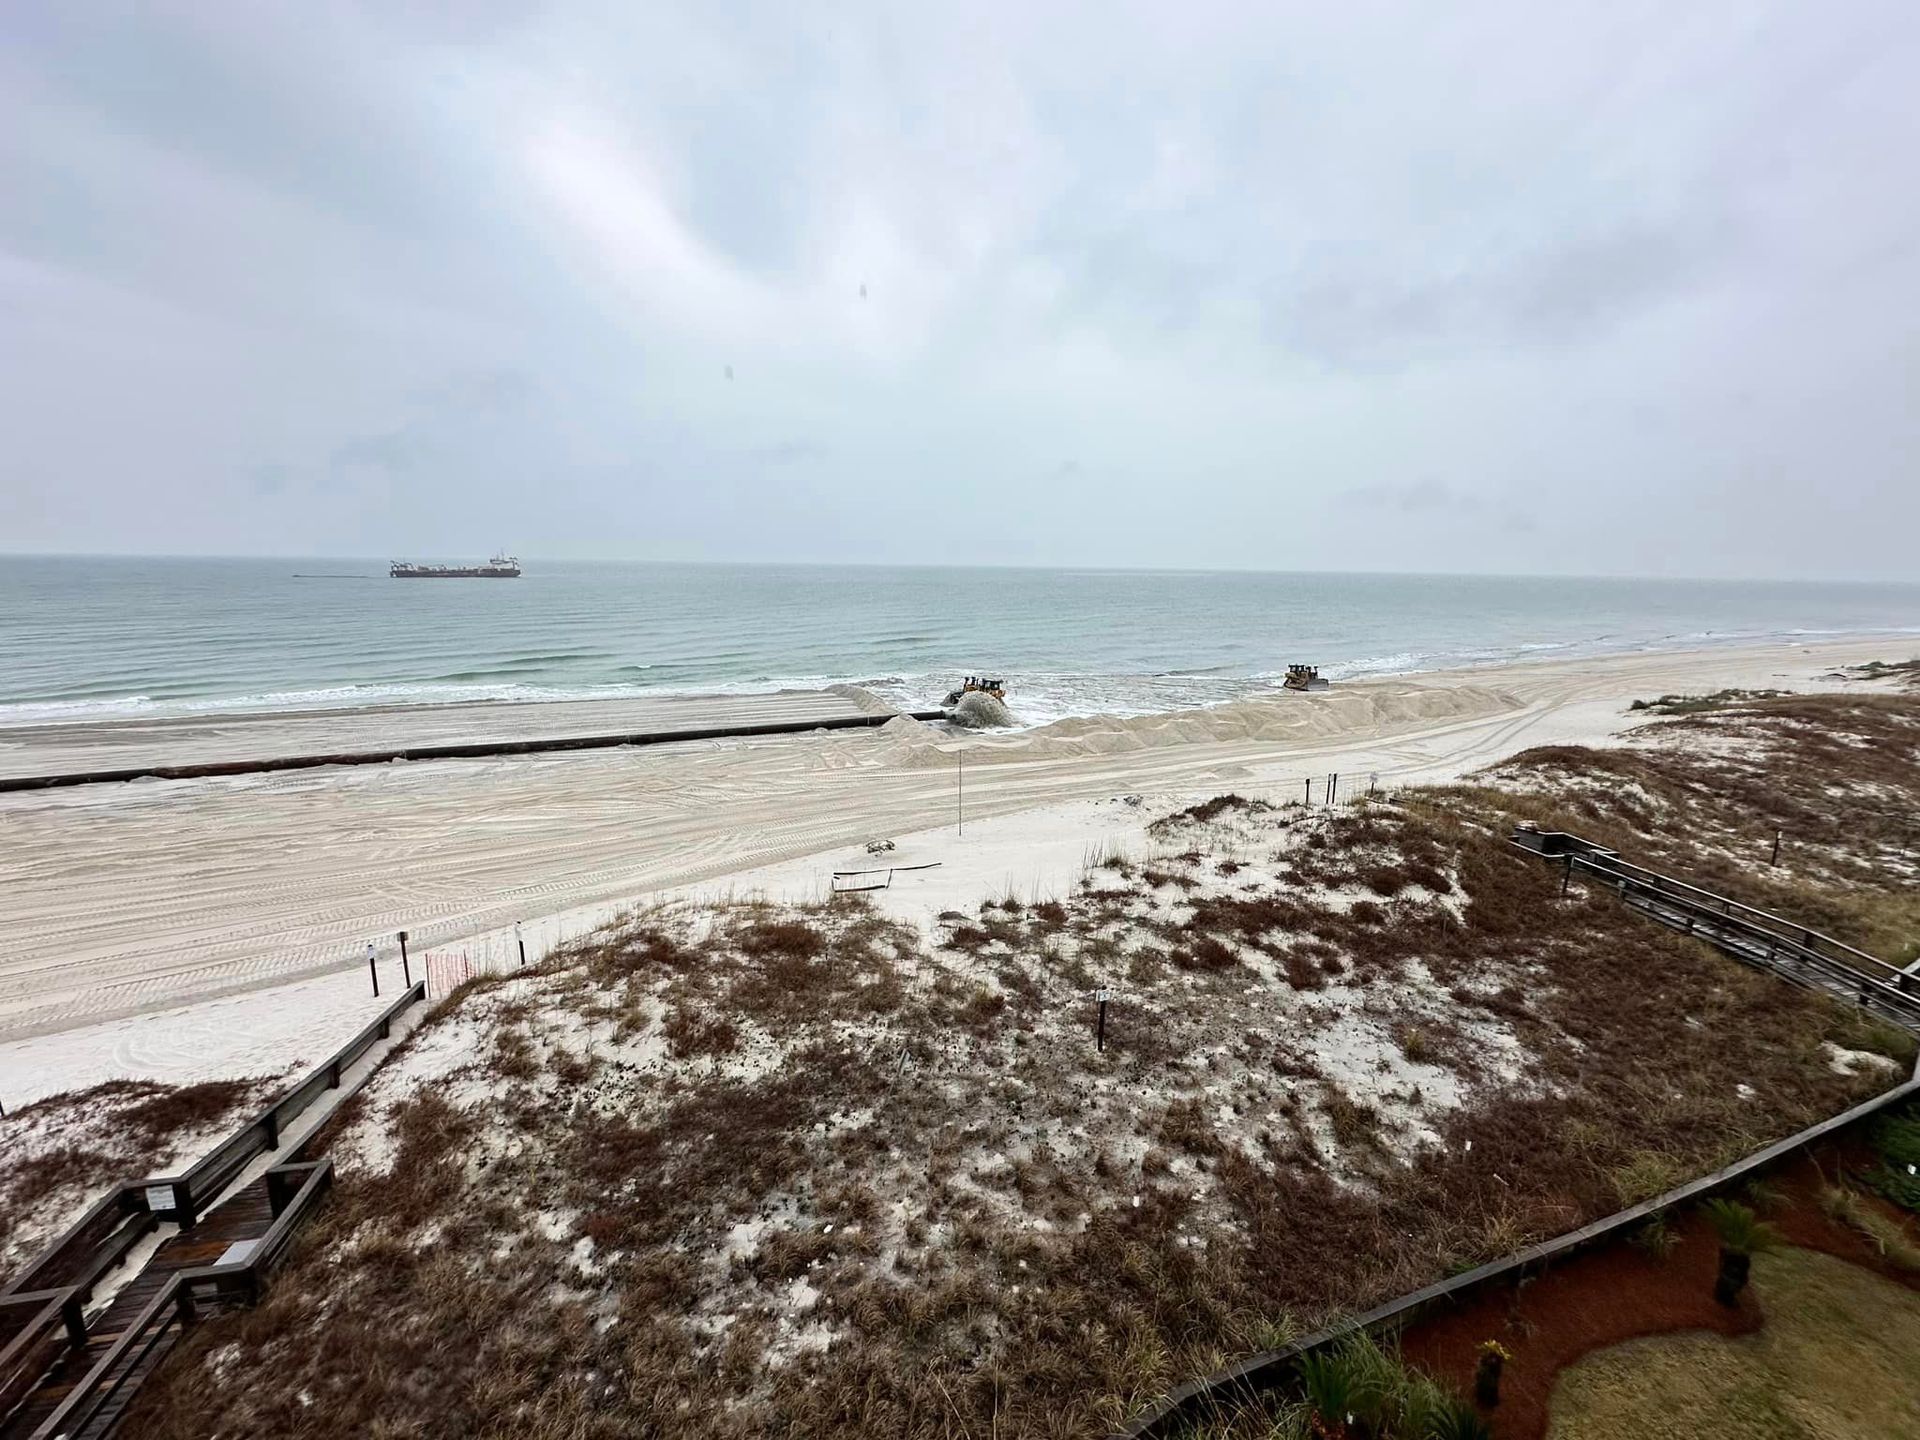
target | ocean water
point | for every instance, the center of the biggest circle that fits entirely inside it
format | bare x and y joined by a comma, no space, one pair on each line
84,638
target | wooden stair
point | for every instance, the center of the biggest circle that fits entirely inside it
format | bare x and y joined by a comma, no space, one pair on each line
245,1216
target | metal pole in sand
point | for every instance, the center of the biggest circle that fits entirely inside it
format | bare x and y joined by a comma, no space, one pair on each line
372,971
521,943
406,970
1100,1030
1776,849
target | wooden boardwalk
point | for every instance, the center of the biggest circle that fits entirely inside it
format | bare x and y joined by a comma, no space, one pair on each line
245,1216
1771,942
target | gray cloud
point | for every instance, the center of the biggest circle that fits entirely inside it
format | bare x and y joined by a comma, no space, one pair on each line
481,391
790,452
476,273
1429,501
270,479
1413,497
392,451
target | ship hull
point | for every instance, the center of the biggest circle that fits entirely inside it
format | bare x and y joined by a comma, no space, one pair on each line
455,574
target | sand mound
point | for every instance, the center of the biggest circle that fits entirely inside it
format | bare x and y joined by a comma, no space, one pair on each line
1353,712
980,711
865,701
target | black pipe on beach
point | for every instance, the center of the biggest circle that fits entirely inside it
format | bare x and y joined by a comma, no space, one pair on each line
464,751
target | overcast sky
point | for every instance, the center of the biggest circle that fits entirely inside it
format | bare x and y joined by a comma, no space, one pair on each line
1610,288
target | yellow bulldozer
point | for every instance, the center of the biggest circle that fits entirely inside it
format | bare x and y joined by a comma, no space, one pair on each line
974,685
1305,677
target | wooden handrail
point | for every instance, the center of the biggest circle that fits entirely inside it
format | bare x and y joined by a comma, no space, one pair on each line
1765,919
174,1304
214,1171
1895,992
96,1388
1574,850
42,1272
74,1261
27,1354
1264,1371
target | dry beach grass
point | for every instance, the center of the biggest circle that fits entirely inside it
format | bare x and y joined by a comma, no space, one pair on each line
777,1169
58,1154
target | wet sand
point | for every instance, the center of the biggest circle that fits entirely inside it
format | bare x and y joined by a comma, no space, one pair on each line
99,745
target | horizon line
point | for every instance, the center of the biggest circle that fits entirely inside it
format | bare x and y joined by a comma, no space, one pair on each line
1003,566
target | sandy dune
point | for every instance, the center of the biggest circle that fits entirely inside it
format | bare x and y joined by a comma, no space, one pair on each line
131,898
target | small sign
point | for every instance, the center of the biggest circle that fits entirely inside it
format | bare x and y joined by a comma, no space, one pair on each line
159,1197
1103,996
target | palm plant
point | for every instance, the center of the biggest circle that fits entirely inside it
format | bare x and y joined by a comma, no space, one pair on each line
1897,1137
1329,1385
1358,1391
1457,1420
1742,1236
1487,1372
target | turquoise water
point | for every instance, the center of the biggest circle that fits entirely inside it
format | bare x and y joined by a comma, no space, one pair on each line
124,637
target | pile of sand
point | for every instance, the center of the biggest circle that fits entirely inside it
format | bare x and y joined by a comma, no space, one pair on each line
863,700
978,710
1353,712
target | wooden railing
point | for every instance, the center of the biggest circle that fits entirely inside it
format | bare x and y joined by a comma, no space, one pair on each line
51,1292
43,1310
1770,939
92,1244
32,1323
1245,1381
192,1295
189,1192
1759,922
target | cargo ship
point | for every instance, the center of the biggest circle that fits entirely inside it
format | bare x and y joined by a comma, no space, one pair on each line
500,567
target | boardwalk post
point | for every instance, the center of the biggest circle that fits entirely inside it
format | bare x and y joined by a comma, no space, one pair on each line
373,971
406,970
521,943
1566,875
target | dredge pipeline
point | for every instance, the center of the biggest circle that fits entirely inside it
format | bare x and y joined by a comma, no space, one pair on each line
465,750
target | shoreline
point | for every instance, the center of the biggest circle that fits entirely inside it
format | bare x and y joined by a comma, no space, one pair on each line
917,688
116,748
161,896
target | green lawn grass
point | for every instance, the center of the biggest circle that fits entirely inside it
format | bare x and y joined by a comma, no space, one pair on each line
1835,1361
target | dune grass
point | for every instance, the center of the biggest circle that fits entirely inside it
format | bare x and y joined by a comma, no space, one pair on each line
59,1152
759,1169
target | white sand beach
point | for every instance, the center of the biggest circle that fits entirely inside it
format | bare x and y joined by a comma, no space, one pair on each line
233,913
